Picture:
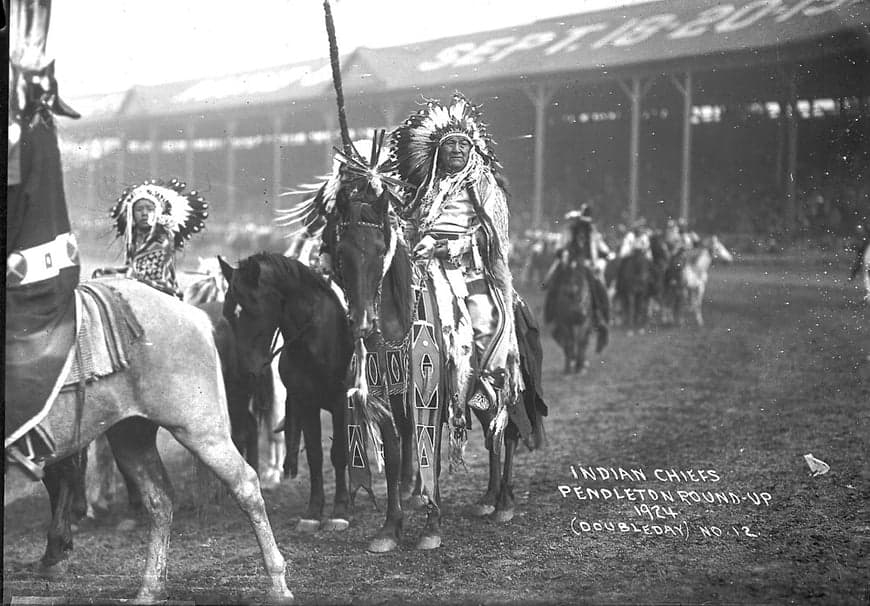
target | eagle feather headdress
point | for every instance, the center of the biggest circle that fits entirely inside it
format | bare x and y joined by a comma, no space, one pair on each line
181,213
415,143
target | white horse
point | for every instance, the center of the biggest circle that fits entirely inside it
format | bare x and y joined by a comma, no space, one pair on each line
694,271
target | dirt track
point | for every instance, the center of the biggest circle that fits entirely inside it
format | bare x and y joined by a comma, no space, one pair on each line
781,370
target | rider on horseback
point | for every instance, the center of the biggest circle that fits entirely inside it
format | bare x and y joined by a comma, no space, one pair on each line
458,224
155,219
585,247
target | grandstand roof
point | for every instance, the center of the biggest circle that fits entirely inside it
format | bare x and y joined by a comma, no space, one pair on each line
674,33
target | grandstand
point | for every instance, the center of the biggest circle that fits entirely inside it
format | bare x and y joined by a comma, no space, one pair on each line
748,116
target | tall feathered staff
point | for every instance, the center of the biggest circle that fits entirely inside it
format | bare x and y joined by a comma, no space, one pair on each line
336,81
309,216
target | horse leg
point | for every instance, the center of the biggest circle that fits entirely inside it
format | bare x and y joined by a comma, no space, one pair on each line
409,460
582,340
252,442
310,417
504,508
699,319
340,519
560,336
134,443
238,398
431,537
59,481
212,445
387,538
485,505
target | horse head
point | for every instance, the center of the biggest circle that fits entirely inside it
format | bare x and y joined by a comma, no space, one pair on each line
362,246
717,249
253,310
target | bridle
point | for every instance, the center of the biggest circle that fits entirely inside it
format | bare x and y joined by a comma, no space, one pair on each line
338,267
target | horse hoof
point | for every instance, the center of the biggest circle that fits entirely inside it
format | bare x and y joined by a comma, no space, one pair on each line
147,596
335,525
52,571
481,509
281,597
502,516
429,542
127,525
308,525
269,483
382,545
417,502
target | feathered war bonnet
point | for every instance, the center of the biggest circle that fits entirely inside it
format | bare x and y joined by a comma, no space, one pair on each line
415,143
181,214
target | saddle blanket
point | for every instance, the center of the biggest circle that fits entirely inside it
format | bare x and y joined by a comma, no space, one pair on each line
105,329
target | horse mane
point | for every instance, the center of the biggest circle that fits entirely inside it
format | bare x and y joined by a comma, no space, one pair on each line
399,280
292,269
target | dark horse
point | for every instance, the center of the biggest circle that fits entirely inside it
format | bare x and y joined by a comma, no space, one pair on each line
634,284
267,293
570,309
173,379
249,397
373,265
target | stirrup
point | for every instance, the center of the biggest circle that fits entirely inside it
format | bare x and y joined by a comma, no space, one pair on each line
33,469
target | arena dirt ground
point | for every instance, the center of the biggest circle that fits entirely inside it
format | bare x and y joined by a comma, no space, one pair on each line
781,370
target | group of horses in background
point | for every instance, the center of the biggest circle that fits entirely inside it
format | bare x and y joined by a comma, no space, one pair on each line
658,282
663,283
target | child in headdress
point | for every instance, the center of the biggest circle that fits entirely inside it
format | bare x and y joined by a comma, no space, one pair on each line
155,219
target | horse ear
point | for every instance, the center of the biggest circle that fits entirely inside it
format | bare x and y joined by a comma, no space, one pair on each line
226,269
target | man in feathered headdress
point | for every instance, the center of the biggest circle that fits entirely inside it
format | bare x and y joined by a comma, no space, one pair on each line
155,219
458,221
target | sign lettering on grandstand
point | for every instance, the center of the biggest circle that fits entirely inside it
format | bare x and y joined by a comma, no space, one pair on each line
722,19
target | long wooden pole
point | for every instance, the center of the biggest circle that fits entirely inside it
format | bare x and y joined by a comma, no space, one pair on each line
336,78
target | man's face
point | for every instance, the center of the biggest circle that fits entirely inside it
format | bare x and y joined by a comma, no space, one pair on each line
453,154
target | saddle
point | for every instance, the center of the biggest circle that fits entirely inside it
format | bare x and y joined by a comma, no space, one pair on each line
105,329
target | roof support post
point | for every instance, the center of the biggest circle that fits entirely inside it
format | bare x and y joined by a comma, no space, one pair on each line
91,175
685,88
635,91
121,164
230,131
390,115
791,168
153,151
189,152
540,95
277,127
